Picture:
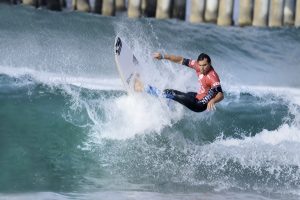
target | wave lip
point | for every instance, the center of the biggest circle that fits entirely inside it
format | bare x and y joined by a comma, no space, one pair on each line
56,79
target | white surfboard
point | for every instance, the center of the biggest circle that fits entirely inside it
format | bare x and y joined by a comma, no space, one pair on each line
130,72
128,67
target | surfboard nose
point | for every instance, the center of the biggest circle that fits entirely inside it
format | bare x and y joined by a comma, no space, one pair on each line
118,46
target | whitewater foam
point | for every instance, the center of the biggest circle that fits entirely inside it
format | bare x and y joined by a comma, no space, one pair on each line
129,115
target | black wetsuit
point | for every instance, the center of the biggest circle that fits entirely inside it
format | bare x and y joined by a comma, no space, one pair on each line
189,99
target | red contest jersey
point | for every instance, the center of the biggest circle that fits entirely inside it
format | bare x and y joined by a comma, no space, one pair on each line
208,81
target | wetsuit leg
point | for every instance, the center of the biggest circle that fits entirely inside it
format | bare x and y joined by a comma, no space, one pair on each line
187,99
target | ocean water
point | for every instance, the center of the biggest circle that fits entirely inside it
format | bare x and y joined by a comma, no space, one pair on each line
68,130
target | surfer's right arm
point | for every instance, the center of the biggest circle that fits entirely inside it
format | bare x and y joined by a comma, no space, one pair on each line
173,58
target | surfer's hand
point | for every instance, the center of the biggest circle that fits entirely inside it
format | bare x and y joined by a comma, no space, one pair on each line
157,56
211,105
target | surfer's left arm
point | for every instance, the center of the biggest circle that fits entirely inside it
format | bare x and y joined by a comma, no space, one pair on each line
214,95
211,104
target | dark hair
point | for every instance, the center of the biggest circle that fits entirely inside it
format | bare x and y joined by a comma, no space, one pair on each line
202,56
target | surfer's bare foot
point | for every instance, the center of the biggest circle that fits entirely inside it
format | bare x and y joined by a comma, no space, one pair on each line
138,85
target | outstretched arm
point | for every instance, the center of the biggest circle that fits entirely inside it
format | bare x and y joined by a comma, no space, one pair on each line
173,58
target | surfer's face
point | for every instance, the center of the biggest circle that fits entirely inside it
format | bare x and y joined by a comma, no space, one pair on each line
204,66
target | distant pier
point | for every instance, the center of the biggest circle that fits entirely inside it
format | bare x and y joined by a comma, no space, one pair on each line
261,13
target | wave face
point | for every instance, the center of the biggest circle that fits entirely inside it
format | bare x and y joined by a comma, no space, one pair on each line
68,129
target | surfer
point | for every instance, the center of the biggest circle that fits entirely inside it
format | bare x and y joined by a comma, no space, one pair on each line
210,92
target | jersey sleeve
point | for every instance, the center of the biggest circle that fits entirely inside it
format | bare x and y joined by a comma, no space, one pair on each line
211,93
189,62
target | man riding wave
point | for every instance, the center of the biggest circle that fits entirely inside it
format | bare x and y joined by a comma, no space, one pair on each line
210,91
